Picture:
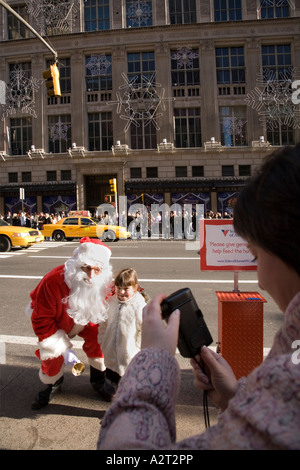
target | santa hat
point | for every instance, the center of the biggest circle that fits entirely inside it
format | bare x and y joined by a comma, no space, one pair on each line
92,251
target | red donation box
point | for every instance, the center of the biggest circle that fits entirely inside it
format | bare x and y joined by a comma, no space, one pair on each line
240,330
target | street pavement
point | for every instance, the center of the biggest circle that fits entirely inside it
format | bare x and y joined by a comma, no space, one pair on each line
73,418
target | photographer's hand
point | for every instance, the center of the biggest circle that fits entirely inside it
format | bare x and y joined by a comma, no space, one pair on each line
219,381
155,331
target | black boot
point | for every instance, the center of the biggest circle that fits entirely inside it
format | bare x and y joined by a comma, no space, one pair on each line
42,399
98,381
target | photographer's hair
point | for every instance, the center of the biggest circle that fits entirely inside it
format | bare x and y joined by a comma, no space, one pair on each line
267,211
128,277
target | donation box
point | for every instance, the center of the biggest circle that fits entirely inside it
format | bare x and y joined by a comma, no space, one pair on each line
240,330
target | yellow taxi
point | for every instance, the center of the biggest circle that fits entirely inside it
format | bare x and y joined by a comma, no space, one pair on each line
22,237
77,227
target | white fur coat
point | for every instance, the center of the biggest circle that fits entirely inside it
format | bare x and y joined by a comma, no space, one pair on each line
120,335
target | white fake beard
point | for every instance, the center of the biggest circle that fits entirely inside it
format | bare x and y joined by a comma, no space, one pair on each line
87,296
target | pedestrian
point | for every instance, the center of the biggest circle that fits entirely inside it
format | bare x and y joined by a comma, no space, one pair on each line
120,334
261,411
71,300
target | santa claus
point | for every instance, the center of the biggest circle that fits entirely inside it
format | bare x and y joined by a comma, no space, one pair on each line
71,300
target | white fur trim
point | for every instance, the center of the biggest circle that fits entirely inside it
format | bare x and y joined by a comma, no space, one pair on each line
47,380
97,363
93,253
54,346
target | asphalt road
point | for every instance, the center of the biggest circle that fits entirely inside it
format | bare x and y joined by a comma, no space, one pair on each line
73,419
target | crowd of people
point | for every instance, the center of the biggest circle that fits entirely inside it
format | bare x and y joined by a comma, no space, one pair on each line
36,221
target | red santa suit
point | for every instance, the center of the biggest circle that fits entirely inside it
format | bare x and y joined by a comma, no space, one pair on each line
54,326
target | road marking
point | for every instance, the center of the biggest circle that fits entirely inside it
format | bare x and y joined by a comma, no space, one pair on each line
199,281
125,257
33,341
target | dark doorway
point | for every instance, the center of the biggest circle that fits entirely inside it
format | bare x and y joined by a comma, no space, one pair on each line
96,187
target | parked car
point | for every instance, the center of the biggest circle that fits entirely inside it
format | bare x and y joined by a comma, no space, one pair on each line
77,227
14,236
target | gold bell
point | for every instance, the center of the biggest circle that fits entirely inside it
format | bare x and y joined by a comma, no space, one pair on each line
78,368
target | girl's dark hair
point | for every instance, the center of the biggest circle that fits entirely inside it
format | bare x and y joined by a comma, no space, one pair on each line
267,211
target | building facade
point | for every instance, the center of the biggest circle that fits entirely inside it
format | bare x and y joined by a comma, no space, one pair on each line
179,100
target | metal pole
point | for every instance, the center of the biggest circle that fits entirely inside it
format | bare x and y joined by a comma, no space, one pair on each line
13,12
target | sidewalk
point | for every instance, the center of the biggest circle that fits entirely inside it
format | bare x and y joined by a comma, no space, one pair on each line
72,420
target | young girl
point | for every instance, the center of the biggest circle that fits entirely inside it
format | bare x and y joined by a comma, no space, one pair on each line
120,334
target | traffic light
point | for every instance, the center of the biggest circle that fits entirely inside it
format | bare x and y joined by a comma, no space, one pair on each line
113,185
52,80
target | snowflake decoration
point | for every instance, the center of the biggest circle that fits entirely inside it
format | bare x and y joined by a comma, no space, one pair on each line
184,57
272,99
233,125
279,3
20,93
98,65
52,15
140,101
59,131
139,13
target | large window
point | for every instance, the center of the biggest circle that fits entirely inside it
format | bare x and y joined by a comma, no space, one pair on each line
233,125
140,64
16,29
138,13
185,67
274,9
99,72
59,132
20,135
182,11
228,10
96,15
276,62
143,134
230,65
100,131
187,127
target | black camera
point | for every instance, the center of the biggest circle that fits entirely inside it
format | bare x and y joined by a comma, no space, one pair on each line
193,331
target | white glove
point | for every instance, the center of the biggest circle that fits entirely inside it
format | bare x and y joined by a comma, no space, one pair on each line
70,357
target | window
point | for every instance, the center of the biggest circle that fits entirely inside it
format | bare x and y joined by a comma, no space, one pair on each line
227,170
140,64
233,124
59,131
138,13
228,10
135,172
13,177
71,221
244,170
185,67
274,9
143,135
180,171
51,175
276,62
182,11
230,65
20,135
66,175
152,172
100,131
187,127
84,221
198,171
16,29
26,176
96,15
99,72
280,133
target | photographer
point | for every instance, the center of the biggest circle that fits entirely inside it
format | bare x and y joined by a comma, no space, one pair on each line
261,411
